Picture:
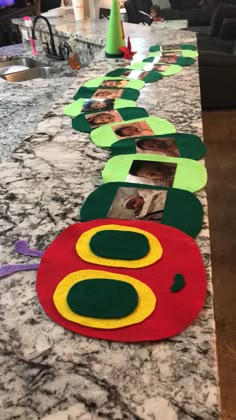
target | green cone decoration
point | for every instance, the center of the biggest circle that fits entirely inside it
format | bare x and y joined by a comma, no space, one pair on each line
115,38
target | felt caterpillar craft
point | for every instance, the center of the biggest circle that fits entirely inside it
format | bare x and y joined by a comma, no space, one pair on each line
122,280
119,280
125,280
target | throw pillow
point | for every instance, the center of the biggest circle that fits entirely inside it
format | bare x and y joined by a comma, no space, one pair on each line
175,4
223,11
189,4
206,4
215,3
228,29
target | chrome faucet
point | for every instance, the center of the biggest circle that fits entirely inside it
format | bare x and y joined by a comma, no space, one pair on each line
52,52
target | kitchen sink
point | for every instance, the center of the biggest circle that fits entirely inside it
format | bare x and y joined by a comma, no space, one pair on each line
22,69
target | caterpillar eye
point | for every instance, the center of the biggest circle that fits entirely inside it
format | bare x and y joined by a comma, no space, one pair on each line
100,299
119,246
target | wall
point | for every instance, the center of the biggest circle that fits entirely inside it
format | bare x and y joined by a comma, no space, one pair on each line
101,3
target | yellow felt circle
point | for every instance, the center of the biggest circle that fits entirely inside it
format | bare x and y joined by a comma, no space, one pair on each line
146,300
84,251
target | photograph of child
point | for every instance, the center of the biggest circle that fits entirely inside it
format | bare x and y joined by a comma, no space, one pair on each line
172,47
135,74
100,118
172,54
108,93
99,104
169,60
152,173
138,203
132,130
115,83
165,146
156,67
160,67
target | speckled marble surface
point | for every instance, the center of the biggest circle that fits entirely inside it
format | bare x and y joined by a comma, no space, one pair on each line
88,30
24,104
49,373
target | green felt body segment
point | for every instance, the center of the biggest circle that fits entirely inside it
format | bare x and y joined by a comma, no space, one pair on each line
185,61
124,147
74,109
172,69
86,93
189,47
116,73
133,84
122,245
105,136
189,145
185,53
102,298
152,76
190,175
181,61
182,209
80,123
178,284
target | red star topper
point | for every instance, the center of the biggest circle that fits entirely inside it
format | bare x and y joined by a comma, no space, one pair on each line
128,53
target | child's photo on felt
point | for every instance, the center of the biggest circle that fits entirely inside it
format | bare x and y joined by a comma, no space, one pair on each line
160,59
168,60
108,93
165,146
171,47
135,74
115,83
171,54
100,118
134,129
160,67
156,67
152,173
94,105
138,203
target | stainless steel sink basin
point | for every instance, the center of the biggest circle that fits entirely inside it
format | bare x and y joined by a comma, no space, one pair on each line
22,76
22,69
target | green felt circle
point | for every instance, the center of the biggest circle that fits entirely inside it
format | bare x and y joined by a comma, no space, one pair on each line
102,298
152,76
181,61
117,244
189,47
178,284
185,61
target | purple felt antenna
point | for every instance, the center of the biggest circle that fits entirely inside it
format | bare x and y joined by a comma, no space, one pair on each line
22,248
7,270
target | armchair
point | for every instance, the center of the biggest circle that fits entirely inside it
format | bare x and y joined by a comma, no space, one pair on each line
217,80
222,32
192,10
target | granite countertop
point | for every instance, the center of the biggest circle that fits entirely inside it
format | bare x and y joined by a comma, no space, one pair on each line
24,104
49,373
87,30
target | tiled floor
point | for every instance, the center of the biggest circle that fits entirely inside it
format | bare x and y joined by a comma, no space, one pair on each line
220,138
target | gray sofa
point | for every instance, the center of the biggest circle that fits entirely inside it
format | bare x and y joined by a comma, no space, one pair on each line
192,10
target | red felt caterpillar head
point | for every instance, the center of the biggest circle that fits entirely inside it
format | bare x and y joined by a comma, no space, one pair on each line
122,280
